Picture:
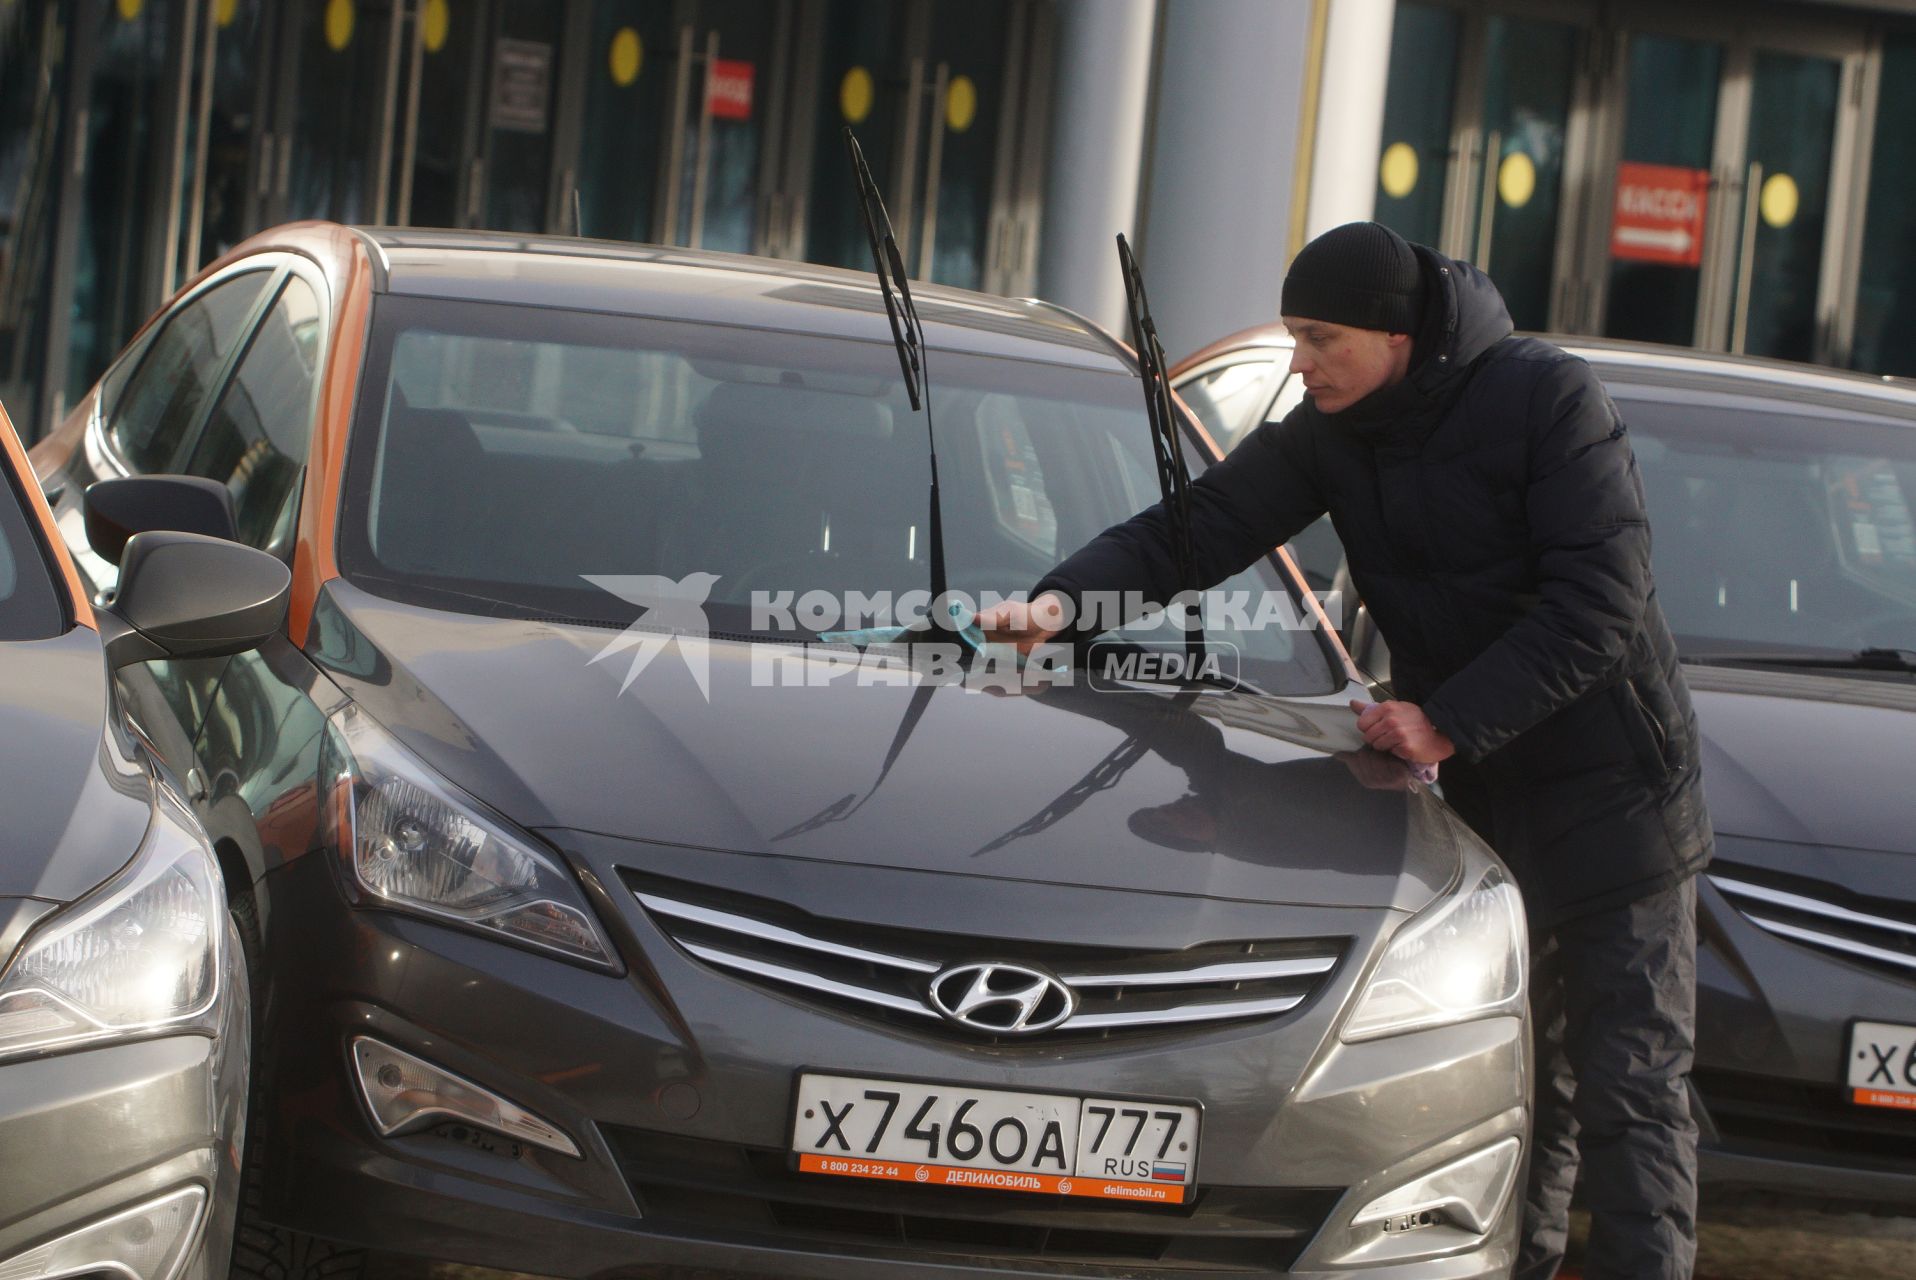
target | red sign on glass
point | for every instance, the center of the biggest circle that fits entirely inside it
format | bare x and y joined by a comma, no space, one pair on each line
729,90
1660,212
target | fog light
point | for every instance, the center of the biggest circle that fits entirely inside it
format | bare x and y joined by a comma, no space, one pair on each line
405,1093
146,1243
1466,1194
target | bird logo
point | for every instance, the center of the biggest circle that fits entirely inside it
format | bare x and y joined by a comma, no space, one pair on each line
674,611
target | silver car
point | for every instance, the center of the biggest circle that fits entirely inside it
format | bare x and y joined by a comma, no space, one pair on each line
124,993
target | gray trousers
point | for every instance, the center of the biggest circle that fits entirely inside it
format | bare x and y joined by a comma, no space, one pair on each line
1613,1009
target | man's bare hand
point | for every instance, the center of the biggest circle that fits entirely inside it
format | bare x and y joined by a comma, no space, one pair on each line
1026,625
1403,729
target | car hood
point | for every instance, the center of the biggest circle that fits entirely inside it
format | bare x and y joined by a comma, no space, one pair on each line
1213,795
74,812
1807,759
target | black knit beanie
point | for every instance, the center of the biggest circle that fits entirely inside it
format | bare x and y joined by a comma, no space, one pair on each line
1361,274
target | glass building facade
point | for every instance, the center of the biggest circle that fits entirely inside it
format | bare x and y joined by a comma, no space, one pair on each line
1726,174
1733,177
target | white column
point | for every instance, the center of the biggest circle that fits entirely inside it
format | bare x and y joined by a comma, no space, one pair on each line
1350,114
1099,97
1224,155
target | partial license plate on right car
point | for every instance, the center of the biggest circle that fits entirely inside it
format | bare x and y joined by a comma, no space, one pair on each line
1882,1065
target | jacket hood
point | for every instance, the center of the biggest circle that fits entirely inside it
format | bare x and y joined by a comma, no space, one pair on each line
1464,316
1806,759
1206,795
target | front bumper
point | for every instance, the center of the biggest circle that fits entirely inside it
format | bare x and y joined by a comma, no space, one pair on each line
1773,1020
92,1134
679,1106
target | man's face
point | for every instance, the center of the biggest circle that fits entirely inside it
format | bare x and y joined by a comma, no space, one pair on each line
1341,365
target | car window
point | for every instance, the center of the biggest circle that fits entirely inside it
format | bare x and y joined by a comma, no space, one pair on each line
1318,552
773,462
1775,523
29,601
1289,396
166,392
255,440
1230,400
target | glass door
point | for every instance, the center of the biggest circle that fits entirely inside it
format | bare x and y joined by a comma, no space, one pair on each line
1413,171
1730,186
1480,122
941,97
863,82
1530,70
516,161
731,64
1663,189
331,120
1786,168
628,79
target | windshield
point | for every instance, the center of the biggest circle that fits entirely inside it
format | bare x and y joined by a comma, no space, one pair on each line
504,454
29,607
1777,525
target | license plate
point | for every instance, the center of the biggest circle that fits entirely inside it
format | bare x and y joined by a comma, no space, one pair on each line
961,1136
1882,1065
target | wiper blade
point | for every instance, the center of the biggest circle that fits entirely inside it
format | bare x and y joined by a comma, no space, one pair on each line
1874,659
1167,442
908,337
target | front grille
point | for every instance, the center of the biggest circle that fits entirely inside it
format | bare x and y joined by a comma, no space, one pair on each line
1792,1119
890,973
1880,935
694,1186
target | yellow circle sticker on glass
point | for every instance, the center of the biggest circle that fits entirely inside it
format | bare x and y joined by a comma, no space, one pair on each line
1398,172
1779,200
339,24
224,11
961,104
626,56
855,95
130,9
435,24
1517,179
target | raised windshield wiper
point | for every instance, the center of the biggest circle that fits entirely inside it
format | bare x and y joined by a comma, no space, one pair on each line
908,337
1167,442
1873,659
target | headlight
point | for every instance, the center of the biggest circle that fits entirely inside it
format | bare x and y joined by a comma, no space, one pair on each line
411,842
1463,960
139,954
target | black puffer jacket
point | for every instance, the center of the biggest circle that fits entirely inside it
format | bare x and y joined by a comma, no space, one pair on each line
1494,522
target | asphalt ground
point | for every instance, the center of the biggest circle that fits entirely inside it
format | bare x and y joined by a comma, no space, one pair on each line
1747,1237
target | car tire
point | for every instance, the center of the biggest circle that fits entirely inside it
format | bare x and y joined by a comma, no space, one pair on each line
263,1250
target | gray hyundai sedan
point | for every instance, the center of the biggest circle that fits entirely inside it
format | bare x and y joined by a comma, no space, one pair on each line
124,997
619,909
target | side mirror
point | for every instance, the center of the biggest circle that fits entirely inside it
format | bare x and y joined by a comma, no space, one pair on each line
117,509
183,595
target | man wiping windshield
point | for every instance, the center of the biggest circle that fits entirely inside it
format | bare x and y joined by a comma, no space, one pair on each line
1490,509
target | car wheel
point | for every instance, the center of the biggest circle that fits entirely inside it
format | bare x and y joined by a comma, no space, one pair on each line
262,1250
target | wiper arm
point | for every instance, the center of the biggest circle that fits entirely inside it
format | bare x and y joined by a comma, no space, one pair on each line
1167,442
908,337
1873,659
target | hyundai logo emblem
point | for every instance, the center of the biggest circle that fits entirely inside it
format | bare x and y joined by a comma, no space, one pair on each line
1002,999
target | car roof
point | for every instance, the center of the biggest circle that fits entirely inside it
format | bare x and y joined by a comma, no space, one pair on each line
1658,364
621,278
